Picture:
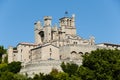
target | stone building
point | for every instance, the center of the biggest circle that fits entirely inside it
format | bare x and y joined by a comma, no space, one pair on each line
53,45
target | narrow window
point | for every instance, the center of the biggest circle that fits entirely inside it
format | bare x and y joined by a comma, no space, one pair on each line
60,57
50,55
21,50
50,50
74,42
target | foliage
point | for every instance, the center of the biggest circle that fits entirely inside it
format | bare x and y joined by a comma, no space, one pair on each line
7,76
48,77
69,68
41,76
14,67
3,67
19,77
2,51
11,76
62,76
38,77
5,59
85,73
102,64
54,72
74,77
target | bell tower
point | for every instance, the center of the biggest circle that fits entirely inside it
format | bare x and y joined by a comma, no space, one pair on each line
68,23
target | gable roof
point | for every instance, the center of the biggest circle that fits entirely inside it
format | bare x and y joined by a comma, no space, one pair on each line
110,44
45,45
27,44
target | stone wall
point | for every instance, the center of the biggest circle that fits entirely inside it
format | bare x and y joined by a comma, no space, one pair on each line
66,51
44,66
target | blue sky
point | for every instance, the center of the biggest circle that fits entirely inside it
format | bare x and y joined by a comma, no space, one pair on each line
99,18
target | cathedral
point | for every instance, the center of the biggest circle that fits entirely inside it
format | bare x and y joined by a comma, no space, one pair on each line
52,46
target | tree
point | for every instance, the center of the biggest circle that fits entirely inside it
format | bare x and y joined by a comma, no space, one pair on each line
54,72
5,60
48,77
3,67
70,68
37,77
7,76
14,67
101,64
19,77
2,51
41,76
85,73
62,76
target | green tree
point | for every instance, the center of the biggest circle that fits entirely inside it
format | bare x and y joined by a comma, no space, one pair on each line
85,73
3,67
101,64
41,76
74,77
2,51
70,68
19,77
5,60
62,76
37,77
48,77
7,76
54,72
14,67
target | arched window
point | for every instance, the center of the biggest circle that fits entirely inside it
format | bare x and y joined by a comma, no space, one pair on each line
81,53
41,33
73,52
73,55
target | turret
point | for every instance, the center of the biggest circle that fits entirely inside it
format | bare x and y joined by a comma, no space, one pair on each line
47,28
10,54
47,21
54,32
37,30
38,25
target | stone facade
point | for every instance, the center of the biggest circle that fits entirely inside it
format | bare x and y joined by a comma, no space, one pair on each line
20,53
53,45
